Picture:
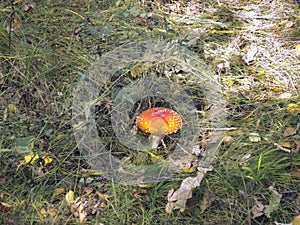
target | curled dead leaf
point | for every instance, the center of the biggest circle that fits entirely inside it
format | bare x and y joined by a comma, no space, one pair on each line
289,131
258,209
177,199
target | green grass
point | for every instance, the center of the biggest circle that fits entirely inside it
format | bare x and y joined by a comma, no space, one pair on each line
44,52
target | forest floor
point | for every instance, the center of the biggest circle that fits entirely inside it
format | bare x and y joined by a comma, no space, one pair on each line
253,49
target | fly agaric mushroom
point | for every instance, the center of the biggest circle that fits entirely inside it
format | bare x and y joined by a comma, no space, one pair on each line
158,122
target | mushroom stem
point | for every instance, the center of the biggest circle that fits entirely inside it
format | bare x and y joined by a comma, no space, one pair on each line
155,140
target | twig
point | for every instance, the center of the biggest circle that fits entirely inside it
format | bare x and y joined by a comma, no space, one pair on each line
282,148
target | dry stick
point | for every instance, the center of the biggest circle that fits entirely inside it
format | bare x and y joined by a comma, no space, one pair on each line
282,148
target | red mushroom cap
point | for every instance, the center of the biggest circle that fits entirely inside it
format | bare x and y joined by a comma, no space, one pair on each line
159,121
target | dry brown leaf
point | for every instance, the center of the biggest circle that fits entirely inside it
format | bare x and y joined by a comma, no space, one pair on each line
82,213
289,131
296,220
206,202
296,172
77,207
177,199
258,209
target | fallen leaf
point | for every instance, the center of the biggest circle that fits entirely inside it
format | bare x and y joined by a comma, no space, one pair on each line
254,137
57,191
284,144
293,107
282,148
177,199
77,207
146,186
136,71
296,220
276,223
188,169
258,209
43,212
70,197
82,213
12,108
289,131
47,160
31,158
52,212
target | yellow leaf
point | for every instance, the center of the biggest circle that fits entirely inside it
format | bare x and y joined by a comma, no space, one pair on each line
52,212
31,158
70,197
229,81
285,144
47,159
296,220
188,169
12,108
146,186
136,71
102,196
58,191
277,89
260,73
43,212
297,47
91,172
293,107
